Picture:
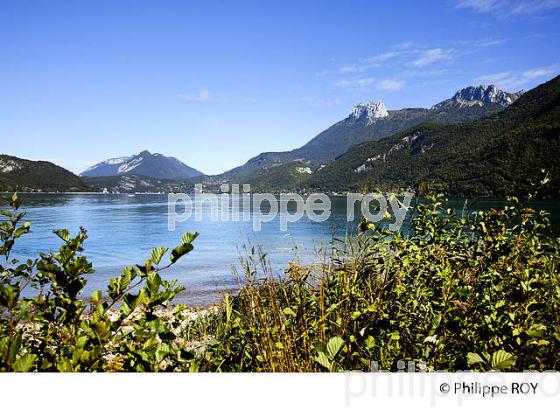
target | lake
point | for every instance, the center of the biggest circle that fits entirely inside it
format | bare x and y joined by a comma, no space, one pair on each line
123,229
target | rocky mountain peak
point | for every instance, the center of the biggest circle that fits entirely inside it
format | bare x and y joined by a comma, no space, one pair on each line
480,95
372,111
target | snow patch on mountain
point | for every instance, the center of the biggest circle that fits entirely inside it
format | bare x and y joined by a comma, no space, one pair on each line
110,162
130,165
116,161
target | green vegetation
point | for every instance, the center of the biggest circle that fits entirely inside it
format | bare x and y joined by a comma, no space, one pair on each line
471,291
265,170
282,178
494,156
25,175
479,292
136,183
56,330
468,151
338,138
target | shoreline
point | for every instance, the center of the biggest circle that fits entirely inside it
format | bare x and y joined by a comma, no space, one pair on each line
331,194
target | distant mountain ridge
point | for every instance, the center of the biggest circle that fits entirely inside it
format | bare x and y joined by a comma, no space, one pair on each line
496,156
146,164
370,122
458,144
18,174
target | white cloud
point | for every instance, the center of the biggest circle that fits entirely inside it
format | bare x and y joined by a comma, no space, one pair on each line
390,85
381,58
515,80
489,42
355,82
396,56
401,54
405,45
534,6
321,102
198,95
407,60
496,77
504,8
374,61
350,69
481,6
538,73
418,73
430,56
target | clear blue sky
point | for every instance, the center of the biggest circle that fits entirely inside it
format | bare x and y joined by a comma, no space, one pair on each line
214,83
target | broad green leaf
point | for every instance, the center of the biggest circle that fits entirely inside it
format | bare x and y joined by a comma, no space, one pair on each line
370,342
153,282
474,358
15,346
502,360
25,363
334,346
323,360
157,254
96,296
536,330
180,251
63,234
188,237
289,311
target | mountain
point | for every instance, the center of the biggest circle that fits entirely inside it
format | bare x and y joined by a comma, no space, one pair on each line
17,174
288,177
146,164
481,95
372,121
136,183
498,155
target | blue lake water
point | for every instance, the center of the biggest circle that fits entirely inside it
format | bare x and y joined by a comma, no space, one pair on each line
122,230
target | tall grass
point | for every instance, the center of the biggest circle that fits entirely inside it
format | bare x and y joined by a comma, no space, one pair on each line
478,291
475,291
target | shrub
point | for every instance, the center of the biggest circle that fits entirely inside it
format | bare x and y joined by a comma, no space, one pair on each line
462,291
57,330
456,292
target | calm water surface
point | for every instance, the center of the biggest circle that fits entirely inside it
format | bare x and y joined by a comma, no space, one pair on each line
122,230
